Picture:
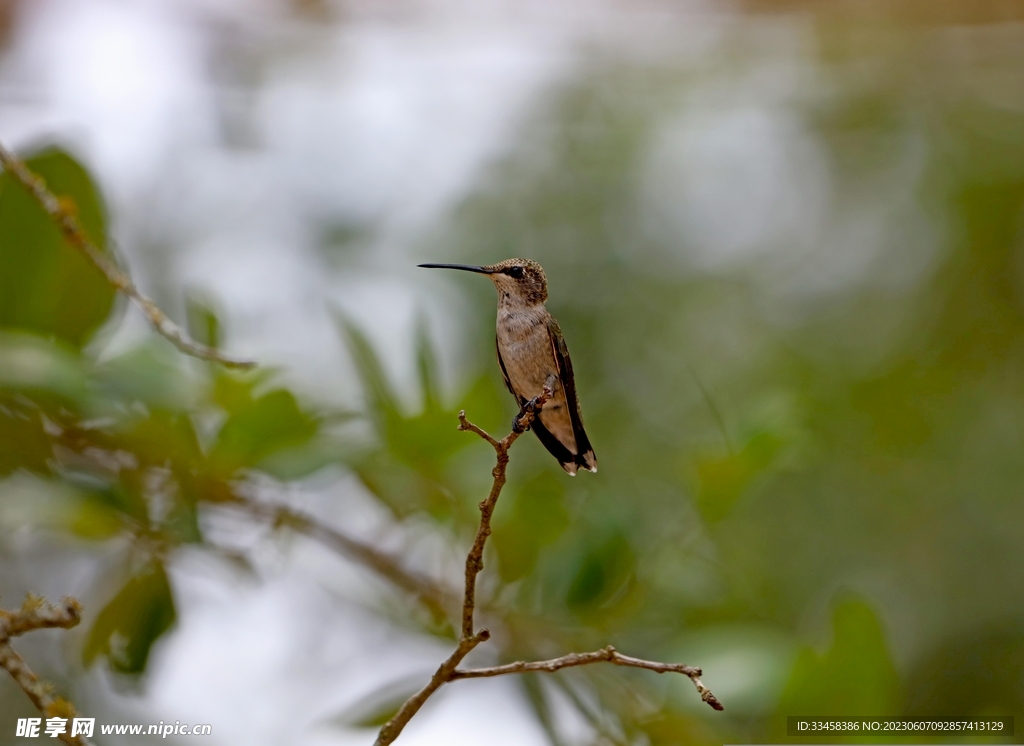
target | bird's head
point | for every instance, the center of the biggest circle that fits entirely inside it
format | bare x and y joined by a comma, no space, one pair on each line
517,280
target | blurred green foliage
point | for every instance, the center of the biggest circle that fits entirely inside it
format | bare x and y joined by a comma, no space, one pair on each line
407,469
119,436
46,286
126,628
811,488
855,676
767,449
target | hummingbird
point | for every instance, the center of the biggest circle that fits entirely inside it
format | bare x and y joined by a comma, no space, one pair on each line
532,352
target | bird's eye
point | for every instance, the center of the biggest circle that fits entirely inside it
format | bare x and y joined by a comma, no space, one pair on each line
516,272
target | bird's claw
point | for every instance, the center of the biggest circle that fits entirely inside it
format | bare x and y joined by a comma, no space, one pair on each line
519,425
521,422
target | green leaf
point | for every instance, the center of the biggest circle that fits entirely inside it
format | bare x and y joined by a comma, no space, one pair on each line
47,286
538,517
751,665
182,522
400,488
381,401
291,464
93,517
423,441
381,704
124,497
271,423
233,390
971,672
408,470
23,442
426,365
38,379
856,676
604,570
151,374
538,701
161,438
34,365
127,627
723,480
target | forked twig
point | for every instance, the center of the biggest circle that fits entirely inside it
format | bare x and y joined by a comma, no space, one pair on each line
474,564
64,218
475,558
449,670
36,613
442,676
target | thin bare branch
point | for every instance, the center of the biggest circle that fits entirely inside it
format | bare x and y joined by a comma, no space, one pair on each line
64,218
36,613
439,601
605,655
449,671
475,559
442,676
465,424
474,564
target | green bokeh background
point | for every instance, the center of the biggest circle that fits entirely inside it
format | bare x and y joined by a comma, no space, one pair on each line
815,492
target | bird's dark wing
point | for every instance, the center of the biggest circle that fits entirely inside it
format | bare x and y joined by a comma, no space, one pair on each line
549,441
585,453
555,447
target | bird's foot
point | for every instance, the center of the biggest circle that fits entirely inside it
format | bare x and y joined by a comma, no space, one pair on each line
521,422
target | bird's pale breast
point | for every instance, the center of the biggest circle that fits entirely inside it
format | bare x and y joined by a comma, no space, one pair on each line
525,345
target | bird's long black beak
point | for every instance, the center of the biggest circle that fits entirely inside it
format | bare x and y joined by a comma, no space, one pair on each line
467,267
